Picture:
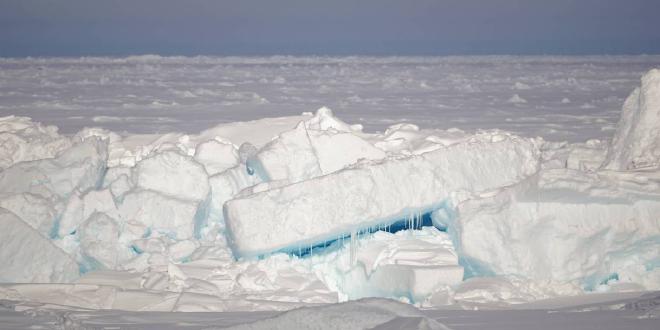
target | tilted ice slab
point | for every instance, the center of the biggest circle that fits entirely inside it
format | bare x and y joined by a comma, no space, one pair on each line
376,193
27,256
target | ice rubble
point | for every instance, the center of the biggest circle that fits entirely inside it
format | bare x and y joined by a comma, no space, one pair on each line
282,212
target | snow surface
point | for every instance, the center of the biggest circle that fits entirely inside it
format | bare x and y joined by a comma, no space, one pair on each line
568,98
300,211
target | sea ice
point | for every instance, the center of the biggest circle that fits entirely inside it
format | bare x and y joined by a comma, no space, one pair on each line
149,219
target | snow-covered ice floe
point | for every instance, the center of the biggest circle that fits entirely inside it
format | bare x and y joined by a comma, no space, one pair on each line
297,211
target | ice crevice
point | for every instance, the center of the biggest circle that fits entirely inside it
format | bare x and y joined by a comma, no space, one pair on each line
414,221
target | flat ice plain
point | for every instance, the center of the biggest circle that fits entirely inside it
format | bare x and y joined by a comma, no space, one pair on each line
228,186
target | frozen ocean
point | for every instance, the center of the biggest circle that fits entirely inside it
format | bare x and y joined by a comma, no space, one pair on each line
478,192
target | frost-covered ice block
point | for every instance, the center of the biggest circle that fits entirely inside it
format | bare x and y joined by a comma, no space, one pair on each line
173,174
225,185
160,213
79,208
374,193
22,140
567,226
336,150
80,167
216,156
289,157
27,256
636,142
312,149
34,210
99,240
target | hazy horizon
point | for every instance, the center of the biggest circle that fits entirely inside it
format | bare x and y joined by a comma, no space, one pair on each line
335,28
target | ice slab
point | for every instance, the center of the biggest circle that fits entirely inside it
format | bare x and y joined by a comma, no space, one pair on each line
26,256
566,226
375,193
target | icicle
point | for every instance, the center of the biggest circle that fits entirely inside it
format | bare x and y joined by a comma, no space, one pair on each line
353,246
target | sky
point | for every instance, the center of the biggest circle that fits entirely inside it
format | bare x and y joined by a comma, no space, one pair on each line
330,27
